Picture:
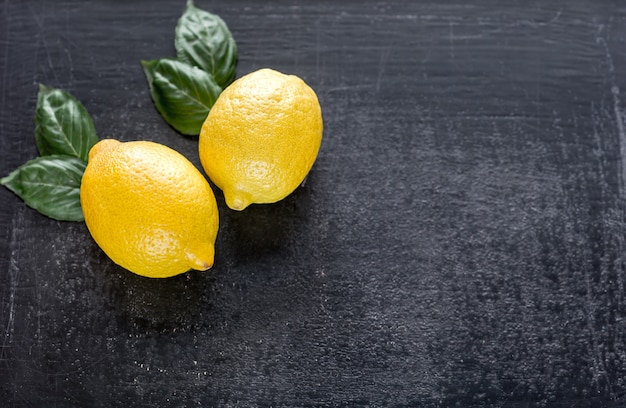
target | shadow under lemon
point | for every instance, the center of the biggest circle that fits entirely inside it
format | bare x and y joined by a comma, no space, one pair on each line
184,302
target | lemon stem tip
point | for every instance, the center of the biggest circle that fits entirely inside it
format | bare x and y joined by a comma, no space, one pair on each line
201,256
237,201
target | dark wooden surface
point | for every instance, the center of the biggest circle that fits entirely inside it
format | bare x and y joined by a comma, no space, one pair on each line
459,242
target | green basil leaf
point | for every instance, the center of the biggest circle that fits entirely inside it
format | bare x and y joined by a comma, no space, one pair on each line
62,124
182,94
50,185
203,39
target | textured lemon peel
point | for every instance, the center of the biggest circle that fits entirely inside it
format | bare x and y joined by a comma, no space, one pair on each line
149,208
261,138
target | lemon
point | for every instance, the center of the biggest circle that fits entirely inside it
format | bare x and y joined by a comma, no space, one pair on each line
149,208
261,137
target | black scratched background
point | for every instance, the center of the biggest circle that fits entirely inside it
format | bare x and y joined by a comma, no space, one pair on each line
459,242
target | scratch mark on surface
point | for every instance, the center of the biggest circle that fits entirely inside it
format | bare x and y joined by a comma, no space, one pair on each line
621,132
617,110
44,43
317,50
451,27
506,27
621,175
598,362
5,70
384,57
71,65
14,272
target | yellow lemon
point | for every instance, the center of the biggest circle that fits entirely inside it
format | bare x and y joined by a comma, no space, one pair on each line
149,208
261,137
